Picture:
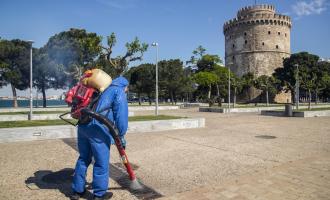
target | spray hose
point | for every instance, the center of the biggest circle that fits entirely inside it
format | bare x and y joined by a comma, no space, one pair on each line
113,131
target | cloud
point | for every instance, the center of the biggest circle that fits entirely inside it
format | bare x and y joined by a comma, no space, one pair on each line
304,8
118,4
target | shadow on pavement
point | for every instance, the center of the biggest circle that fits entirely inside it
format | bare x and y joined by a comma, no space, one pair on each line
59,180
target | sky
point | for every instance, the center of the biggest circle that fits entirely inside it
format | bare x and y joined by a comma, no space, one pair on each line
178,26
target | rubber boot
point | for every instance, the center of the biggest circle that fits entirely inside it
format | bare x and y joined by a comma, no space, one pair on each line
107,195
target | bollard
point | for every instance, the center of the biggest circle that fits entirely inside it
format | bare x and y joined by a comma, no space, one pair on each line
288,110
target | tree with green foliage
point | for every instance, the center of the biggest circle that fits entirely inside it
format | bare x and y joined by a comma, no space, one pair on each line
171,77
188,86
222,83
134,52
267,85
75,50
248,82
322,72
198,53
237,84
206,79
46,73
142,80
15,65
308,81
208,63
287,75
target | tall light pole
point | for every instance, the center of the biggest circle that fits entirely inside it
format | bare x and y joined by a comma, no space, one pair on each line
297,86
155,44
31,79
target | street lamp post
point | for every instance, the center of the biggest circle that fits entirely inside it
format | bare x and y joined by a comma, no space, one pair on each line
297,86
31,79
155,44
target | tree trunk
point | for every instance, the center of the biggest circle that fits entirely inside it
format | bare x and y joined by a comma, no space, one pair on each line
309,99
293,96
209,93
139,95
234,101
316,97
44,102
267,98
13,89
218,96
149,99
172,98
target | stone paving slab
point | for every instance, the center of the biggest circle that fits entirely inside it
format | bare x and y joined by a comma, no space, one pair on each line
303,179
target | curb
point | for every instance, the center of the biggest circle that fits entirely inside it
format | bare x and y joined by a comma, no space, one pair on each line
68,131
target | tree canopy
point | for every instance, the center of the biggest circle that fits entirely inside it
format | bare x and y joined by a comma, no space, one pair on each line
134,51
15,65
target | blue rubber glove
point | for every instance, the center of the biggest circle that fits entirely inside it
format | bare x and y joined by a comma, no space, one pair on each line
123,142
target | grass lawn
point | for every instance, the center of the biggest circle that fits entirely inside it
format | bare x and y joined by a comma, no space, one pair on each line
14,124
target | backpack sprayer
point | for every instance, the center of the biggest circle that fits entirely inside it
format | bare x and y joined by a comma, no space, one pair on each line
83,99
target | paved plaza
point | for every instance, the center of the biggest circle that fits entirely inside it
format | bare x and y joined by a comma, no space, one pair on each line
236,156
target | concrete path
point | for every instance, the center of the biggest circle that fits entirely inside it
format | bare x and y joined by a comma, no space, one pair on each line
291,155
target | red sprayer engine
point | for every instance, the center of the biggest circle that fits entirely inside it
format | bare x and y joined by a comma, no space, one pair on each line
79,97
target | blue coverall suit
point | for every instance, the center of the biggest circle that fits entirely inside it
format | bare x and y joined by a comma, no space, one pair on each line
94,141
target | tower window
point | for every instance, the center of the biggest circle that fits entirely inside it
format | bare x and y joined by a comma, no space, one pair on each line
233,57
263,44
268,32
233,45
279,33
230,36
245,41
244,33
285,34
276,46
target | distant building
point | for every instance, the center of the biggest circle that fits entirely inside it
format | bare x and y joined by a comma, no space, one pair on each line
325,60
257,41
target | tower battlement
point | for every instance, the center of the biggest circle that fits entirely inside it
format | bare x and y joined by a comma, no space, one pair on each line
256,8
254,17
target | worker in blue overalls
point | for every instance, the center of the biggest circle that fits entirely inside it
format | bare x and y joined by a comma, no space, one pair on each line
94,141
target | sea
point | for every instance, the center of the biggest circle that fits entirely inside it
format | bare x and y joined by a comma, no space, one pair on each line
26,103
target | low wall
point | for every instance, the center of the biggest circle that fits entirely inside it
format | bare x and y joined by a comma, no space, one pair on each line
147,108
276,113
67,109
321,113
68,131
21,117
64,109
250,109
236,110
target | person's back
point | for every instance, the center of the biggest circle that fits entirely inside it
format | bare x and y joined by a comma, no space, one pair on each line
94,141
